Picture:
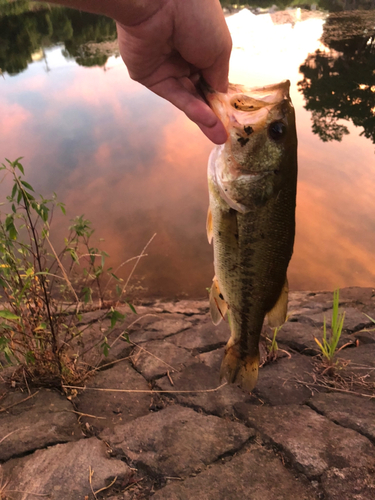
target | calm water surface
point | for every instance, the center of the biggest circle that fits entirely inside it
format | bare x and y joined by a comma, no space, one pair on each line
135,166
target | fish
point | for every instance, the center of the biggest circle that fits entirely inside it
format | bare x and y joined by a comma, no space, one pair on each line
252,181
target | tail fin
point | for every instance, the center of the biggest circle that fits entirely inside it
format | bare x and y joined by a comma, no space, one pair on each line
242,370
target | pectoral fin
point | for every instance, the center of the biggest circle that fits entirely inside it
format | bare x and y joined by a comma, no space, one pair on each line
277,315
218,306
209,227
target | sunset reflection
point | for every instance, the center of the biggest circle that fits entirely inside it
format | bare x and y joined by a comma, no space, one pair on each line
135,166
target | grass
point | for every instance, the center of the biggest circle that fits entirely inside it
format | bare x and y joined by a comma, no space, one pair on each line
328,344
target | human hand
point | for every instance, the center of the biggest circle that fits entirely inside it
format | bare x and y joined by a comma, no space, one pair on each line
171,49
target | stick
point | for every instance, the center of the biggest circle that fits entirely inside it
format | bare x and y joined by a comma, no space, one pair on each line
144,391
19,402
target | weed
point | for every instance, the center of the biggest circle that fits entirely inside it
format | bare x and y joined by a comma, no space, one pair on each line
44,292
328,345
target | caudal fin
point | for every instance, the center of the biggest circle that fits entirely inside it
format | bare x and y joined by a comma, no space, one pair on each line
237,369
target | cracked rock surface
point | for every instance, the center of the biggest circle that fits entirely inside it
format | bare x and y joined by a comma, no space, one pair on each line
159,424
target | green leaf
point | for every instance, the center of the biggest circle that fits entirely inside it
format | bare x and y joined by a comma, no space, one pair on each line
115,316
27,185
74,255
116,277
8,315
86,294
30,358
125,336
62,208
14,190
19,166
132,307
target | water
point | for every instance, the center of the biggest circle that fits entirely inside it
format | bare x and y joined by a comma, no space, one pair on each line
135,166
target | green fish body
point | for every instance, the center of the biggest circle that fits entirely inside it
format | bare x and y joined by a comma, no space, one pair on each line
251,222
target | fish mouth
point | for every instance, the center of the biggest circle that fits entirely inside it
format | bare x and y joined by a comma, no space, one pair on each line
243,106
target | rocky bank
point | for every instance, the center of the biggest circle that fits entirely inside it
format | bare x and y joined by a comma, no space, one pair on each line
156,422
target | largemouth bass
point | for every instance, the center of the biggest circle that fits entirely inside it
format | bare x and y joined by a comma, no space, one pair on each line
251,220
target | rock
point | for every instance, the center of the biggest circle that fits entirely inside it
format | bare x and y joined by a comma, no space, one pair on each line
300,337
354,320
361,363
176,441
351,483
311,441
62,472
158,330
114,407
199,377
347,410
365,336
187,307
43,420
203,337
361,295
277,381
253,475
155,358
212,359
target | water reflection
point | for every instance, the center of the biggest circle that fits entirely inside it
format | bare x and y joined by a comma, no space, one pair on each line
339,83
136,166
27,29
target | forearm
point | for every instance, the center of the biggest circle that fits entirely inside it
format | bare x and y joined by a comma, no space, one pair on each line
126,12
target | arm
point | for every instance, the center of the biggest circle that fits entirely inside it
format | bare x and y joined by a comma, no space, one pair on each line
167,45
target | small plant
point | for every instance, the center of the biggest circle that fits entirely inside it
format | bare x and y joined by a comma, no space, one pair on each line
328,345
273,349
44,292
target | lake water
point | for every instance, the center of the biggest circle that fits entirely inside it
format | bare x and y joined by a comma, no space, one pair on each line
135,165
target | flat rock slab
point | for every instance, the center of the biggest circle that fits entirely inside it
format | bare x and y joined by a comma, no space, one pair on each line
350,483
114,407
160,329
186,307
176,441
354,319
347,410
277,382
45,419
213,359
199,377
362,362
62,472
203,337
311,441
155,358
300,337
254,475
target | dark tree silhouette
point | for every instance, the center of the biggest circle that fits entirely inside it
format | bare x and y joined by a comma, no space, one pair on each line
26,32
340,84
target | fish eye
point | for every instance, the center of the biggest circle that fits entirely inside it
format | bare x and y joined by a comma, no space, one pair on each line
277,130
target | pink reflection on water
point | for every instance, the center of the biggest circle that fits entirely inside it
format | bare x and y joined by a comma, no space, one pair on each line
136,166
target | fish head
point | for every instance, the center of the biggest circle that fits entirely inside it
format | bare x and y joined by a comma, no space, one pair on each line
260,152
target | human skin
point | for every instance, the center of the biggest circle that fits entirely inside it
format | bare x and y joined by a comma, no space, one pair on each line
168,45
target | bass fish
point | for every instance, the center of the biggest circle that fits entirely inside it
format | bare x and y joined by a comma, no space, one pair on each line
251,219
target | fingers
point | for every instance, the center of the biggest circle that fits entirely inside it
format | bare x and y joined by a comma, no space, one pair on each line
188,101
217,75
